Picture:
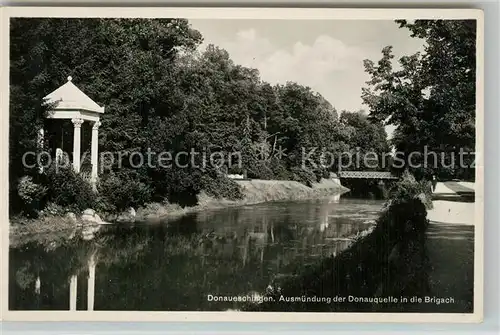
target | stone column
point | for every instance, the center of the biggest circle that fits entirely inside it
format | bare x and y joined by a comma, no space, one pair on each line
77,138
95,151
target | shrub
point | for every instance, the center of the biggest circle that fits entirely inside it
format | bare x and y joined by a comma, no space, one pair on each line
409,188
52,209
68,189
260,170
118,192
279,169
103,204
178,185
219,186
25,275
304,176
402,219
320,173
31,194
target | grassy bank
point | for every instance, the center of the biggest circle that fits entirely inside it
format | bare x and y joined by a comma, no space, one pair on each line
389,261
257,191
254,192
45,231
48,229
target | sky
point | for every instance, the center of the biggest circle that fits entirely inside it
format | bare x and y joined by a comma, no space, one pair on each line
326,55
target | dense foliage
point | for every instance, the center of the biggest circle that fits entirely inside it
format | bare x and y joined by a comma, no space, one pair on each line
409,188
163,94
430,97
68,189
31,195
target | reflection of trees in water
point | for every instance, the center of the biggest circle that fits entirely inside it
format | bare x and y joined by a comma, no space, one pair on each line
367,268
282,241
175,265
42,277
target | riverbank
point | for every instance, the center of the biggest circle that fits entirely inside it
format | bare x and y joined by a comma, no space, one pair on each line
44,231
234,251
432,255
385,261
48,229
254,191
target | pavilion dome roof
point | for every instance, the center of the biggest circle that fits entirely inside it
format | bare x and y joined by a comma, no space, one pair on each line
70,97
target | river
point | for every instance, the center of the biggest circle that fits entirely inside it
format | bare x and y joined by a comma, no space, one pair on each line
176,265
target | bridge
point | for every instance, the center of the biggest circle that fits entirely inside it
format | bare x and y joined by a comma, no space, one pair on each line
366,175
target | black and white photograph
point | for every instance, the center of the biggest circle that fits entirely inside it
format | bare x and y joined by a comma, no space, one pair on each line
244,164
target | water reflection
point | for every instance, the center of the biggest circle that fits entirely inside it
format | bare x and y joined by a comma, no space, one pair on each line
175,265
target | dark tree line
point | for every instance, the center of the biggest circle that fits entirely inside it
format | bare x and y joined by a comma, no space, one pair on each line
162,93
431,98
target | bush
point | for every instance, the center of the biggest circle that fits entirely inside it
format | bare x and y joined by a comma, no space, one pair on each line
178,185
402,219
320,173
304,176
219,186
260,170
118,192
68,189
279,169
409,188
52,209
31,194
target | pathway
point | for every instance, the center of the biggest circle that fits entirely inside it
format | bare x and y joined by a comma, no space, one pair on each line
459,187
450,248
453,204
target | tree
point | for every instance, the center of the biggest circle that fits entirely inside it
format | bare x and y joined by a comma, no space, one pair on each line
124,64
431,98
366,138
163,94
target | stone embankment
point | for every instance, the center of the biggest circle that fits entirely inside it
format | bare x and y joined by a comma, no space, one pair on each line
258,191
52,228
254,191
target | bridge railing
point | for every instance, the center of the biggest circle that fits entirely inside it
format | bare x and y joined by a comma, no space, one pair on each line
367,175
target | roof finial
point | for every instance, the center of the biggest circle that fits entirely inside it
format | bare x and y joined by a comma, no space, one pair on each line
70,78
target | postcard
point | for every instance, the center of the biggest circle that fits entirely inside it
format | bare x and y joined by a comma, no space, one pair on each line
242,164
